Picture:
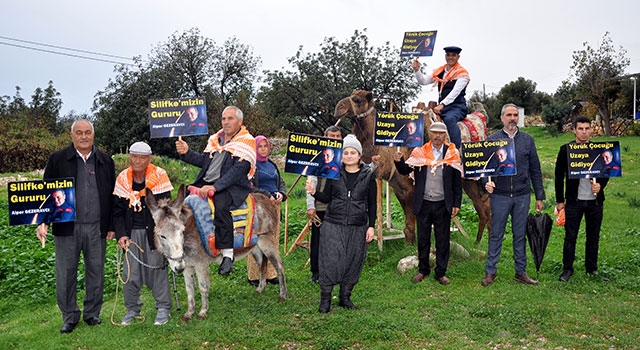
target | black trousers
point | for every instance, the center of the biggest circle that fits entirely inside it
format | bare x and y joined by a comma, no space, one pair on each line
574,212
315,244
433,214
223,220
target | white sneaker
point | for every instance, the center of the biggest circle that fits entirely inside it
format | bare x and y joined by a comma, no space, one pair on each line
162,317
128,317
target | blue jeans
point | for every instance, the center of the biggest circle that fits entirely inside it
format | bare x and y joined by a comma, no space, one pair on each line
451,115
501,208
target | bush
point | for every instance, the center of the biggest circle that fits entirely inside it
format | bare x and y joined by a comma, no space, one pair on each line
25,146
556,113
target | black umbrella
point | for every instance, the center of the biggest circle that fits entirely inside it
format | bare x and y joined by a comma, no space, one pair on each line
538,231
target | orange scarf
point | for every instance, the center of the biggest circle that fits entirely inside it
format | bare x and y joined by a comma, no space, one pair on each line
423,156
241,145
456,72
155,178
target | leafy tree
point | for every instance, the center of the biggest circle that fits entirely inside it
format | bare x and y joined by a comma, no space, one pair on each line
523,93
557,112
303,99
595,72
187,65
45,106
13,106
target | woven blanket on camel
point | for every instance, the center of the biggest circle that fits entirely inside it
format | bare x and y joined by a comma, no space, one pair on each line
473,128
244,222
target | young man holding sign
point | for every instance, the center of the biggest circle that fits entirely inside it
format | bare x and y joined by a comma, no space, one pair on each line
581,197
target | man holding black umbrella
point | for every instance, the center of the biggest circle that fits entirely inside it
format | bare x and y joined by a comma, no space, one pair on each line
583,197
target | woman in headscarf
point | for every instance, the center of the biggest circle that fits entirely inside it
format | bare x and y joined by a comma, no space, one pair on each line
267,180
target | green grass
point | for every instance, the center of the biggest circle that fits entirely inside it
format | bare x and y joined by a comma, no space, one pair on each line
393,312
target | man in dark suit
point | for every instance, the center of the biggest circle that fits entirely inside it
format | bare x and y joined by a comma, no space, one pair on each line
95,176
436,198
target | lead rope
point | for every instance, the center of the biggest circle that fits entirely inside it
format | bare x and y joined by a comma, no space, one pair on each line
119,279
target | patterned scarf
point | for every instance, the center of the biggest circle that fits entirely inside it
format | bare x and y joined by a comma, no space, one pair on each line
241,145
155,178
260,158
456,72
423,156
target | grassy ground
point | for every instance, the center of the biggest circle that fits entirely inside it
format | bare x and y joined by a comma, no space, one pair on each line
393,312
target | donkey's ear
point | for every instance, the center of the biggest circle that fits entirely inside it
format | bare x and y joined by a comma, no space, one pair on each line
181,194
150,199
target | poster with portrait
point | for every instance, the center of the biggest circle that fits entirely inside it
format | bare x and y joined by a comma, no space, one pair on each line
415,44
594,159
313,155
38,201
398,129
178,117
488,158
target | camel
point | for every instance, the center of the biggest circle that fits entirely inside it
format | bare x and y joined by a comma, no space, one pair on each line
359,107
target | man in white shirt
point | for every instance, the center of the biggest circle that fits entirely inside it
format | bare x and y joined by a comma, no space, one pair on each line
452,80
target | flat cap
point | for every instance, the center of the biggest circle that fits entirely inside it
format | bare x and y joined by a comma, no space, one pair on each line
438,127
453,49
140,148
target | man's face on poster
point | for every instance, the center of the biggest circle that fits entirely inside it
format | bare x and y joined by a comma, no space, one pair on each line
192,113
607,156
59,197
411,128
502,154
328,155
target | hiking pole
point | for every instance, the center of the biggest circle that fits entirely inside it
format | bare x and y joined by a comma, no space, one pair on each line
175,290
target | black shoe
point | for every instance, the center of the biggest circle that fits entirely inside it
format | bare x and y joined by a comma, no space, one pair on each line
597,274
226,266
274,280
565,276
346,303
254,283
93,321
314,278
68,327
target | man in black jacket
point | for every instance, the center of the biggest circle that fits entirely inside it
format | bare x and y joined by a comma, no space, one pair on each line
133,222
436,198
583,197
225,165
94,174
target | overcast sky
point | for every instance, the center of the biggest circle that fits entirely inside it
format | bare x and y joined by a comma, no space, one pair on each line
500,40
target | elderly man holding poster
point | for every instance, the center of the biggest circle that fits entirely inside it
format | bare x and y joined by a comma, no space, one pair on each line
226,165
580,197
95,176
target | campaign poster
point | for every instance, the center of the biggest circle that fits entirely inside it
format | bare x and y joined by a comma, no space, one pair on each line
398,129
489,158
313,155
178,117
415,44
594,159
38,201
